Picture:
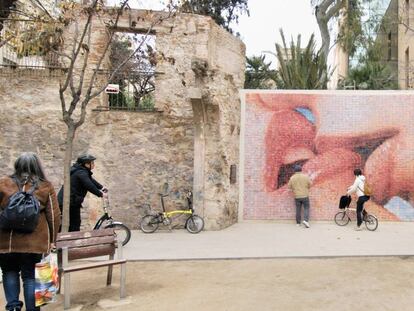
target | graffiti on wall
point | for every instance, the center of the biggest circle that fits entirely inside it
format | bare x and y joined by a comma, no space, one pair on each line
330,134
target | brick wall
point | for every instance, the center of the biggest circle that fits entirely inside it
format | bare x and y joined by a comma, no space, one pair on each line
138,152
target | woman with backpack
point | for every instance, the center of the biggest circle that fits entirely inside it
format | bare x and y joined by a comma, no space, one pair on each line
359,187
22,248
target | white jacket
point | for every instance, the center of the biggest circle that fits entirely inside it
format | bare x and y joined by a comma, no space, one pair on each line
358,186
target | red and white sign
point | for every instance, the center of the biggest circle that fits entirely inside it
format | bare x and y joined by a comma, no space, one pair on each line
112,89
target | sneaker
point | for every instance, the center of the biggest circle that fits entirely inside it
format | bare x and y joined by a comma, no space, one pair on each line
358,228
306,224
298,225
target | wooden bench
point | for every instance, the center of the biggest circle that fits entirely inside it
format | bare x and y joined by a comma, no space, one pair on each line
89,244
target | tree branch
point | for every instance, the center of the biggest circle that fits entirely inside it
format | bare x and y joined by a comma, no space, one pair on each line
335,9
79,44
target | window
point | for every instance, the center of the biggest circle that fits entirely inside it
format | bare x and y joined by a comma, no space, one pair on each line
136,78
407,68
389,46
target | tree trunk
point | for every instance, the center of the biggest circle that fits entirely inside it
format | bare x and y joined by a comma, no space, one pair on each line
325,36
70,134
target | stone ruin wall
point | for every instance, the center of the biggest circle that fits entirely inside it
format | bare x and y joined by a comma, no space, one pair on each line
139,151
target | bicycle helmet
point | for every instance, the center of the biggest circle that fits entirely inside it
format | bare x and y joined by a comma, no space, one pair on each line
85,158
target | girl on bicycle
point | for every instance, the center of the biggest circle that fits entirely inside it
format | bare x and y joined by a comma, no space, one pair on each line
358,187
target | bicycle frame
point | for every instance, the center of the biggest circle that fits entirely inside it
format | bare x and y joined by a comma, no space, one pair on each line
353,211
193,223
105,216
169,214
176,212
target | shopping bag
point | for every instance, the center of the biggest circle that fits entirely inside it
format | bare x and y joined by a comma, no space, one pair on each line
47,280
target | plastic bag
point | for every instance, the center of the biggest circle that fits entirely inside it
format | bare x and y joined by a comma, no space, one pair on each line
47,280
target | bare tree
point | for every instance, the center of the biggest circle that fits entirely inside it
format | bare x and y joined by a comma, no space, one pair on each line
80,83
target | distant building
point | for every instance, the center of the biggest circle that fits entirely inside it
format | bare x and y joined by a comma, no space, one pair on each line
397,40
388,38
387,35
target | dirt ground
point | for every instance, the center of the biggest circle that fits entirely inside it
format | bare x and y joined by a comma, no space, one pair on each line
238,285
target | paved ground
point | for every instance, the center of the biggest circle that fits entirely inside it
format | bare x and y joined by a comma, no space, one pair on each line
285,284
273,240
284,267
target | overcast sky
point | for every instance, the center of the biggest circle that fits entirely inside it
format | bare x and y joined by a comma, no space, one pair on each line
260,30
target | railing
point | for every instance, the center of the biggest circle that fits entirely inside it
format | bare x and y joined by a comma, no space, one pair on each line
136,91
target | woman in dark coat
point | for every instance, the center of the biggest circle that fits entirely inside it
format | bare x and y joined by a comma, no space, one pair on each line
19,252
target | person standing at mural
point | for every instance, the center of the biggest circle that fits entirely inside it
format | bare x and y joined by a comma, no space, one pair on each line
300,183
358,187
81,181
20,251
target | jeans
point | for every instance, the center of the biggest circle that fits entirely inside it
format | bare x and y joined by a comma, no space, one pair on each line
360,207
12,265
299,202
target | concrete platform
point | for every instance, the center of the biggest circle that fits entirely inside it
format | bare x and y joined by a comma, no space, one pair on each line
262,239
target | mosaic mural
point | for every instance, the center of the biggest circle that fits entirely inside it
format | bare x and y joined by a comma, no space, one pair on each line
330,134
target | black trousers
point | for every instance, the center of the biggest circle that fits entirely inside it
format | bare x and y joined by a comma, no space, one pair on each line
360,208
74,217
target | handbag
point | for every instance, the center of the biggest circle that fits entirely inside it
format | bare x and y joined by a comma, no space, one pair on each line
344,201
46,280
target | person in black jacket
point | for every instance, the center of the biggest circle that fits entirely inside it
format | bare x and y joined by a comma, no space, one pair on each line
81,181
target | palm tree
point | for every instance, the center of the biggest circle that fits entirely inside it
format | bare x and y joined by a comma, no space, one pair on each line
258,73
301,68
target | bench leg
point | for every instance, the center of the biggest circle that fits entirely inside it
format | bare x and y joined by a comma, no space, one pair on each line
59,280
66,293
122,293
109,275
66,278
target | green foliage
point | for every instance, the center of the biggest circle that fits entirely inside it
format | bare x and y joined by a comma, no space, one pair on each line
147,102
224,12
370,73
371,76
128,101
258,74
301,68
37,38
351,33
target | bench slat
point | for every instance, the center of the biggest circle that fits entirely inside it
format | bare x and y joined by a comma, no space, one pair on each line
84,234
94,265
91,251
82,242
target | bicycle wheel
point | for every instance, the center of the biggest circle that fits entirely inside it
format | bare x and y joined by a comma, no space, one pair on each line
194,224
371,222
149,224
341,218
121,231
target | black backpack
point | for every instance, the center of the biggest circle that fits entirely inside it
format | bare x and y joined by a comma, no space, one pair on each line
22,211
